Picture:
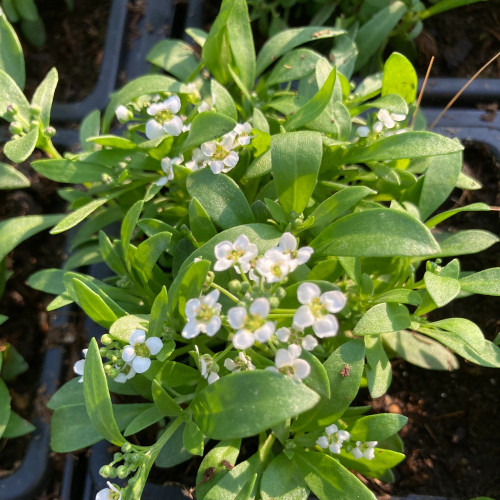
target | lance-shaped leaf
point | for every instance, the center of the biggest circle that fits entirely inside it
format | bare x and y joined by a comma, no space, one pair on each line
485,282
44,95
10,178
10,94
11,52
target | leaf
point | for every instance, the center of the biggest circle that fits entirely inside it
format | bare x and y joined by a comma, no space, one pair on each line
48,281
71,393
158,313
18,229
113,141
10,178
128,226
377,467
90,127
200,223
71,171
474,207
486,282
378,368
372,35
381,232
206,127
282,481
19,150
401,296
16,427
464,242
149,251
10,94
193,439
97,400
439,181
328,479
294,65
221,197
382,318
296,158
420,350
377,427
174,452
11,52
164,402
149,416
44,95
464,329
286,40
418,144
223,102
441,288
246,403
4,407
175,57
78,215
123,327
339,203
399,78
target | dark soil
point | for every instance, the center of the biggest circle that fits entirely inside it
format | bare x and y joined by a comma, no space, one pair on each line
462,40
75,43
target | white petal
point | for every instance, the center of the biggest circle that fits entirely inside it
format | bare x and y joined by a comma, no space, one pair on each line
383,115
343,435
322,442
236,316
128,353
283,334
309,343
307,292
173,126
357,453
303,318
335,448
369,454
294,350
288,243
137,337
103,494
301,368
260,307
241,242
211,298
121,378
213,326
140,364
213,377
304,254
229,364
122,113
155,108
399,117
264,333
204,106
154,130
223,264
217,166
79,366
154,344
223,249
363,131
327,326
208,148
191,329
161,181
334,301
331,429
231,159
173,104
203,368
192,306
378,127
243,340
283,358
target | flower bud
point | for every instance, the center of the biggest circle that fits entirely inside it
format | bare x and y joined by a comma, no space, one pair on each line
35,110
106,339
103,351
117,457
280,293
234,286
123,114
208,280
245,287
127,447
122,472
113,372
15,128
50,131
105,470
274,302
107,369
12,109
112,473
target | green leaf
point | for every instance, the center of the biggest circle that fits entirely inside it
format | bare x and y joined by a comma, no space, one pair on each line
328,479
97,400
78,215
382,318
123,327
375,32
380,232
71,393
175,57
224,103
418,144
149,84
221,197
294,65
18,229
129,224
246,403
260,166
207,127
4,407
19,150
377,467
282,481
464,329
296,158
317,380
44,95
158,313
149,416
315,106
200,223
149,251
193,439
10,94
439,181
339,203
173,374
174,452
90,127
441,288
420,350
27,10
401,296
48,281
11,52
16,427
474,207
485,282
10,178
287,40
113,141
399,78
378,368
164,402
464,242
13,363
71,171
377,427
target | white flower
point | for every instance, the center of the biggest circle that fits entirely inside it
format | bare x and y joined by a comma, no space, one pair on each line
288,361
242,362
222,158
251,325
378,127
333,439
208,368
316,308
111,493
363,131
123,114
126,373
364,450
203,315
238,254
167,167
243,131
309,343
283,334
79,366
139,350
288,246
389,119
274,266
198,160
165,119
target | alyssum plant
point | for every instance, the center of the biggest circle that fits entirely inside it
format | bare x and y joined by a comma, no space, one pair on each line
276,247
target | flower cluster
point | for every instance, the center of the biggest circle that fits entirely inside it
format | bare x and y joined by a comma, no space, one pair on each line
385,120
334,440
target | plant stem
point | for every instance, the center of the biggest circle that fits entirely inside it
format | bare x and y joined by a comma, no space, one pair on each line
225,292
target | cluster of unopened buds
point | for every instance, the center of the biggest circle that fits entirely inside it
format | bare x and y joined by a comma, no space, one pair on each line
385,121
334,439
